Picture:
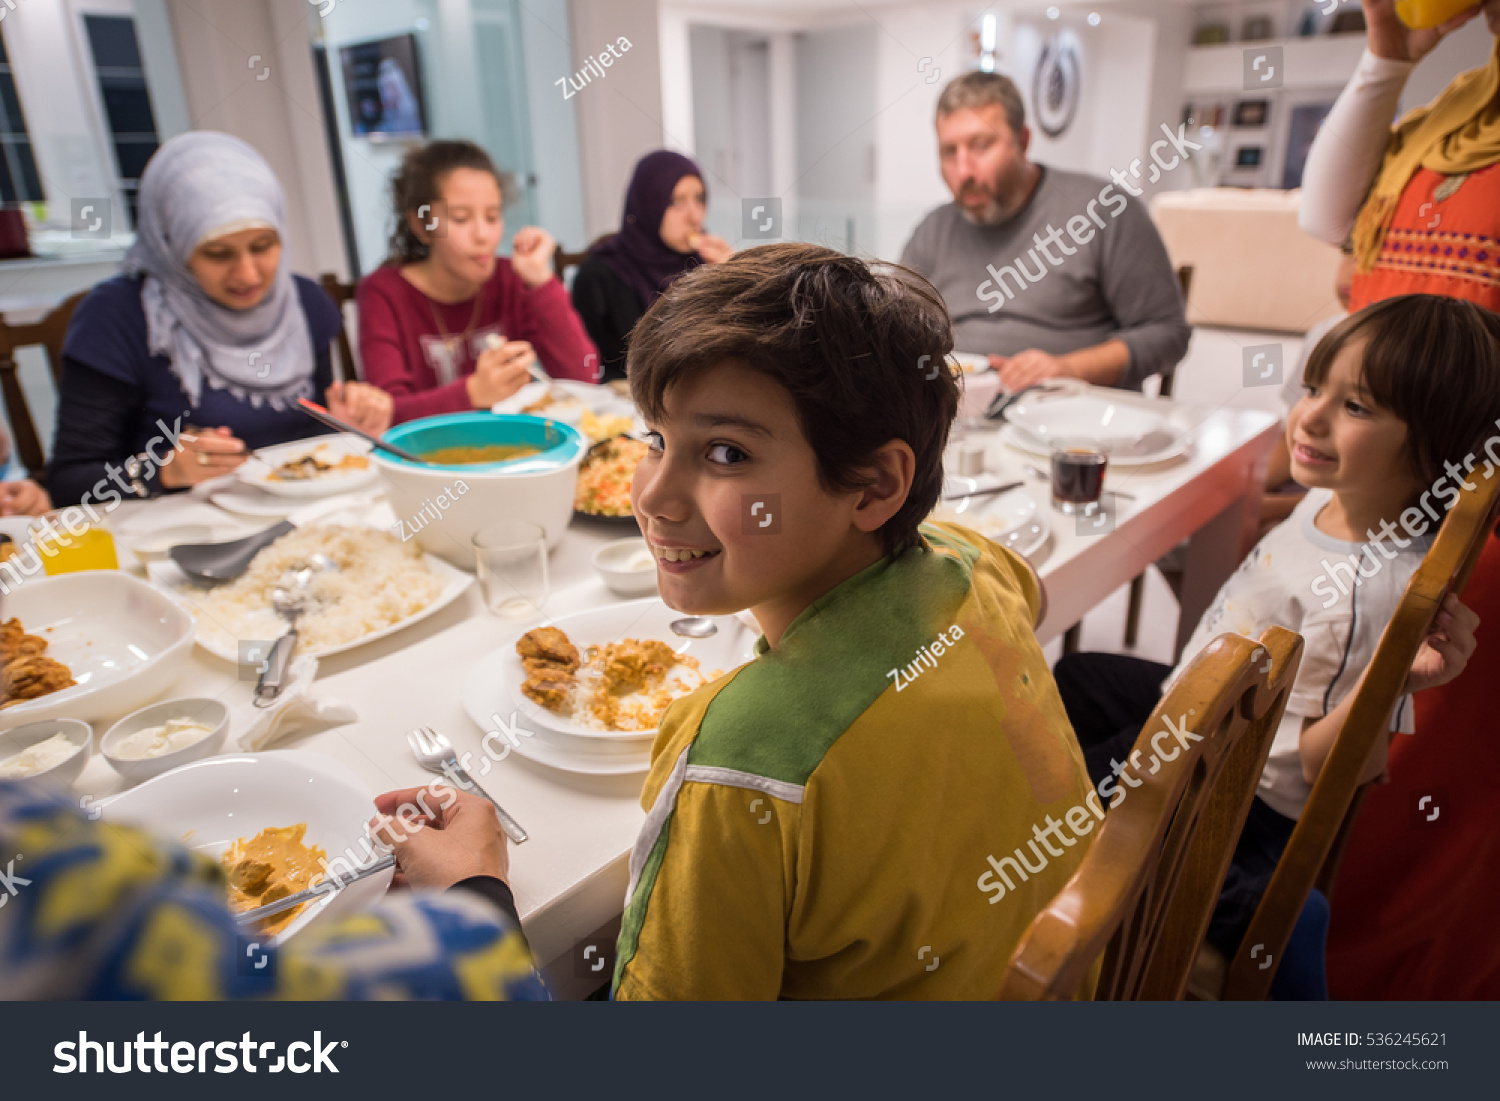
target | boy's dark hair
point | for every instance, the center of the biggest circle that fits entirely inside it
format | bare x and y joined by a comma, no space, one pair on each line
1432,361
862,349
419,182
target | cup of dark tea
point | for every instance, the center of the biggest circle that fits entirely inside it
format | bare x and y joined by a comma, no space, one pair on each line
1078,467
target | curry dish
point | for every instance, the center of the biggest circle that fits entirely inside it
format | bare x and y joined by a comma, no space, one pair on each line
490,453
271,865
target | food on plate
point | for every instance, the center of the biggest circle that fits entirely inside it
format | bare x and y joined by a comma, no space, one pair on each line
553,403
604,477
157,741
489,453
601,426
380,581
7,547
28,672
321,461
623,685
271,865
37,759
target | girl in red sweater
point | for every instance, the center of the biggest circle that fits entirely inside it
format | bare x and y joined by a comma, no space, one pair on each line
446,325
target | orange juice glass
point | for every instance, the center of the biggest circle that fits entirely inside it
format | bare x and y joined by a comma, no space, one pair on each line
1421,14
63,552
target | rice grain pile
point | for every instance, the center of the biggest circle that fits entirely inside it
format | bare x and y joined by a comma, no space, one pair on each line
380,581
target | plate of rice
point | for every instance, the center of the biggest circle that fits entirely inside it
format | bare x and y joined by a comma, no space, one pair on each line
604,479
382,585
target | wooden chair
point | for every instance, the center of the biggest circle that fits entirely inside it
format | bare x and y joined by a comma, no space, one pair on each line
48,333
1145,891
1312,855
1138,586
562,261
342,295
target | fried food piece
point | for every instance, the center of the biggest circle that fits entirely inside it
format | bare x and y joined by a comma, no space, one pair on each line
251,877
550,645
32,676
11,634
551,687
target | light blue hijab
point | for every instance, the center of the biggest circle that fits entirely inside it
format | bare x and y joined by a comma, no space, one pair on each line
199,186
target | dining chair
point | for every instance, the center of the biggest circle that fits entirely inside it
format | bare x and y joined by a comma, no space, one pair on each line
1144,893
48,334
343,294
562,261
1317,843
1138,586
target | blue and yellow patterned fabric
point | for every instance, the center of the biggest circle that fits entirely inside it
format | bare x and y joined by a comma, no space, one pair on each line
91,910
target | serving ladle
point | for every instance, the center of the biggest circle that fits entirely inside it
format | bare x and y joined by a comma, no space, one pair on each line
215,563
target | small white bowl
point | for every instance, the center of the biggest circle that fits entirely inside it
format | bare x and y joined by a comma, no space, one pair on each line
211,712
152,545
21,738
612,561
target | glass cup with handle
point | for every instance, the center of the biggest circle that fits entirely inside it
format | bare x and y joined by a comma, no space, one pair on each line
510,558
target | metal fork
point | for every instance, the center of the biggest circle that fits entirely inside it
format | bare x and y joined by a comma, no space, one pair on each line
435,753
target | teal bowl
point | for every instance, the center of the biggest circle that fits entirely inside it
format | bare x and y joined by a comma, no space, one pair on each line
442,507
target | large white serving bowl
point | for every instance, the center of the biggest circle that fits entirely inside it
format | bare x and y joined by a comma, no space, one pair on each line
125,642
208,805
443,506
257,472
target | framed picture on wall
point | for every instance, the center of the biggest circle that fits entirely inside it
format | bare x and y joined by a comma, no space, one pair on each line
1307,118
1249,156
1252,112
384,86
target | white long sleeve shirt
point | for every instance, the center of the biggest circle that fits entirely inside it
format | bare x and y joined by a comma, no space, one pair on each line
1347,152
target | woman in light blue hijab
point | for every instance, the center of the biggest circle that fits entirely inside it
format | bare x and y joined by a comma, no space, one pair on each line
205,340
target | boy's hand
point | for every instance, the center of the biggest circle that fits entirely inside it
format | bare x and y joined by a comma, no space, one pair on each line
1447,649
465,840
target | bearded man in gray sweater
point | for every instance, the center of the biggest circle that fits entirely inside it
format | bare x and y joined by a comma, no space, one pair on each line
1050,273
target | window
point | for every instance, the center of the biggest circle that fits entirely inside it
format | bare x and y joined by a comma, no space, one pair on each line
127,103
19,180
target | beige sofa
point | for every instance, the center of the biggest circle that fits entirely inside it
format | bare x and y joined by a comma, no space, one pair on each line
1253,268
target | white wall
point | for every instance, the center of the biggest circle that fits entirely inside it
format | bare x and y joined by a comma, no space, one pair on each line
619,116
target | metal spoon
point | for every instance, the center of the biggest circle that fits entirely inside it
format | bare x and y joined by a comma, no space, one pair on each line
694,626
290,600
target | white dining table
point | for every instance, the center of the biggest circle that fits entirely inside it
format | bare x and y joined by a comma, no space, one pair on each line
569,879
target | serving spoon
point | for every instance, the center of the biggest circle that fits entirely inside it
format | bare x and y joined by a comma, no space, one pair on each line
289,599
215,563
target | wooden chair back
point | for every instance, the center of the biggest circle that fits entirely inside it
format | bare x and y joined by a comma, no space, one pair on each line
1185,283
562,261
1312,854
48,333
1147,887
343,295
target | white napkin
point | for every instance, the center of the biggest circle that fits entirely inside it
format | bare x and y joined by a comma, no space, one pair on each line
295,709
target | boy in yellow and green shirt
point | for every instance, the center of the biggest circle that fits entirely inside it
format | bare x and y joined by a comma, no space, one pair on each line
819,820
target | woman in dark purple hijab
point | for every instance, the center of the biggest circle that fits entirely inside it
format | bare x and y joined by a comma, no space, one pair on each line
661,236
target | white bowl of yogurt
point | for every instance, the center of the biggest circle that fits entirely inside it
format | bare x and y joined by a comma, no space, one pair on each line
627,566
161,737
54,750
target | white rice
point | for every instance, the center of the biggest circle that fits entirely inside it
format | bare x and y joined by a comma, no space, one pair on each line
380,581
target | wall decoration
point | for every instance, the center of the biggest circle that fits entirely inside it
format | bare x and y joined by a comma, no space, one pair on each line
1252,112
1249,156
1055,88
1306,119
1257,28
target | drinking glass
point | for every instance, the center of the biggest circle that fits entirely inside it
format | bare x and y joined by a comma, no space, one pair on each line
1078,467
510,558
68,542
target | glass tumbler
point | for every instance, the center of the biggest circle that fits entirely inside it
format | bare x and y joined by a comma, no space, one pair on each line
510,558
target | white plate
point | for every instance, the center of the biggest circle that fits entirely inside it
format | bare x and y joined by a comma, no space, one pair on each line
581,395
258,474
123,640
485,695
970,363
1135,433
246,500
731,647
166,576
208,805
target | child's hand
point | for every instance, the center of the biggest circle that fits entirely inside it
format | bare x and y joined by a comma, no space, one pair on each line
1447,649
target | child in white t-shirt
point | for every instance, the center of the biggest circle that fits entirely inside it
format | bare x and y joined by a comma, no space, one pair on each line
1399,401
